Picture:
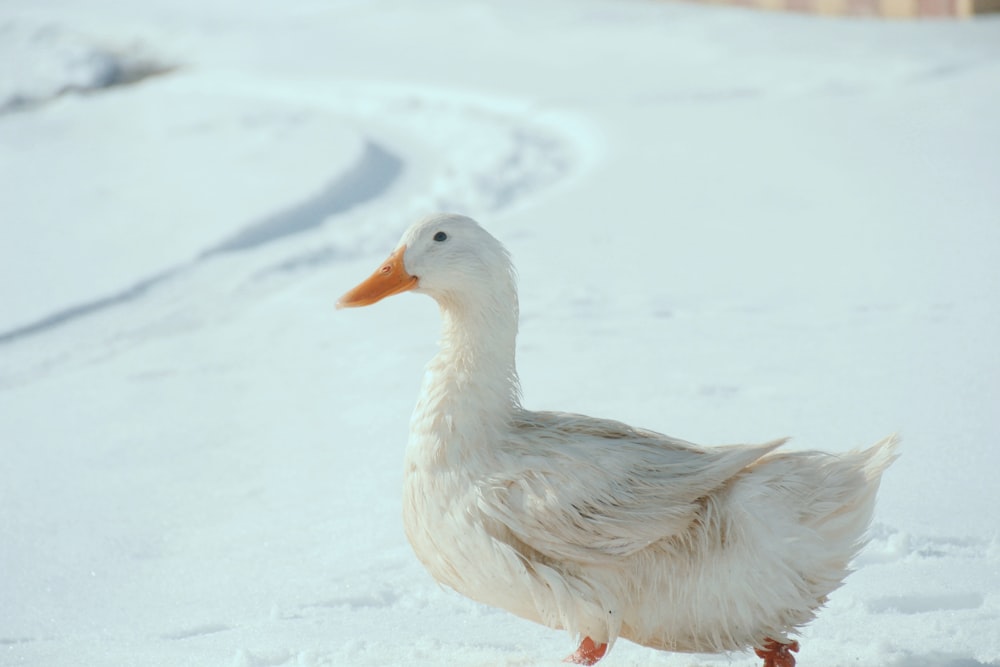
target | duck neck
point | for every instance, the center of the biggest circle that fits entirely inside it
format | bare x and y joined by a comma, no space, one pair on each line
471,388
477,352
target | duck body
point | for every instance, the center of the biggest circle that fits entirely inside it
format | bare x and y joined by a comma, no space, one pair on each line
590,525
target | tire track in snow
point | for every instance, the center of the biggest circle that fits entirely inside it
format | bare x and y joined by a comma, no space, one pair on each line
928,597
373,174
460,152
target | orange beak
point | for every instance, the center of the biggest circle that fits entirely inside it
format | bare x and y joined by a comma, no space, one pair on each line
390,278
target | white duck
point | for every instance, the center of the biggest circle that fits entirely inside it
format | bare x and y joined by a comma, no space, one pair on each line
591,525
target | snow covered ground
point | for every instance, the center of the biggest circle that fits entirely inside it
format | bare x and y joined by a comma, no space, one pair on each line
729,226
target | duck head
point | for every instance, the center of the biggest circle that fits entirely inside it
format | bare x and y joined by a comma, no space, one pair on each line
447,256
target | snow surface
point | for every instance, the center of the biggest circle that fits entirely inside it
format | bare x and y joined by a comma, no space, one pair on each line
730,226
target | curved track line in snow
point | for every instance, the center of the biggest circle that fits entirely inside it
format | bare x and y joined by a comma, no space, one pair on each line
482,152
475,154
375,171
84,309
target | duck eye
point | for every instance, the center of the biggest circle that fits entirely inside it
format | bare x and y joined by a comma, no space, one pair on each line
440,236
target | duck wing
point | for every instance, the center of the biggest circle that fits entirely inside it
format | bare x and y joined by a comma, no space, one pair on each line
590,490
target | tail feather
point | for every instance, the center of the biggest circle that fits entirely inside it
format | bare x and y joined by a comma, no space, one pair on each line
880,456
848,525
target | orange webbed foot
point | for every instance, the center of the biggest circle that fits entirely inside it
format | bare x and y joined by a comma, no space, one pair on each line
776,654
588,653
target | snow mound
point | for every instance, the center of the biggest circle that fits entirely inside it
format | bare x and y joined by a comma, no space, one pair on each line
39,62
